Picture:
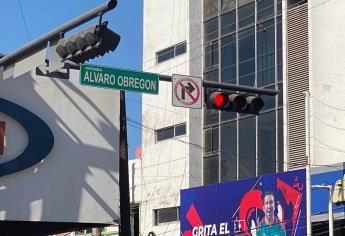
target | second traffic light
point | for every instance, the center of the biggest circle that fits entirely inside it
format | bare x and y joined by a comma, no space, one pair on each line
95,40
234,102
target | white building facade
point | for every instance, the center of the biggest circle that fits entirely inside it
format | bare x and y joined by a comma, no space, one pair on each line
288,45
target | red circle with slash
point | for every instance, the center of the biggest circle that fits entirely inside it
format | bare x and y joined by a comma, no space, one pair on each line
193,98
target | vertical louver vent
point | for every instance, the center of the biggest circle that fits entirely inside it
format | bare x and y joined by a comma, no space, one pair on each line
297,83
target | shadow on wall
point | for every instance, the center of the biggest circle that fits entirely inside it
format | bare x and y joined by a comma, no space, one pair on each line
78,180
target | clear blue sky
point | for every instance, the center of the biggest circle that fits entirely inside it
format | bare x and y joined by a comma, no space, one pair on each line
42,16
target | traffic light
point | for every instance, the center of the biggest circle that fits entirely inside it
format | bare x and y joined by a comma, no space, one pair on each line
235,102
96,40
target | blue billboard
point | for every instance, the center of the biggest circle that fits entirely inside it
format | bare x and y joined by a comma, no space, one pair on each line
267,205
327,175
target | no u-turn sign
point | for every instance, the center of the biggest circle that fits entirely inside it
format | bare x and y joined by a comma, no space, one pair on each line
186,91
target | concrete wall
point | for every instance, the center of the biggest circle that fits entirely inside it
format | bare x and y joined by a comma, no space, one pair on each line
195,115
78,180
166,165
327,81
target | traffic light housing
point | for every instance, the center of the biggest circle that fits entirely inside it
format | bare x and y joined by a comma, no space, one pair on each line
96,40
235,102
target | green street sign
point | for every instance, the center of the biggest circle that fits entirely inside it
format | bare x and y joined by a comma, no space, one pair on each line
112,78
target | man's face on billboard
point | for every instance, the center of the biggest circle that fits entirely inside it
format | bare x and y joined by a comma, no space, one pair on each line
269,206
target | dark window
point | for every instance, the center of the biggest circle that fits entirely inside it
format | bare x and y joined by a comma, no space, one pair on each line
171,132
247,140
180,129
165,133
246,15
279,49
171,52
228,152
211,76
215,139
211,170
210,8
280,141
180,48
166,215
295,3
267,143
228,59
280,94
228,5
227,115
211,55
269,101
265,9
208,141
211,116
266,53
165,54
228,22
243,2
211,30
247,57
279,7
211,140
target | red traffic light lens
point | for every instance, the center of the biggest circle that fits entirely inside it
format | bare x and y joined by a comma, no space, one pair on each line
219,100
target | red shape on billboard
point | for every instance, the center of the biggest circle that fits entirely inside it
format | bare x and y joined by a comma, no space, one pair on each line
250,201
292,197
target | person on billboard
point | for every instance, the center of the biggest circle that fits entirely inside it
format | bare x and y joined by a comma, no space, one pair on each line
270,224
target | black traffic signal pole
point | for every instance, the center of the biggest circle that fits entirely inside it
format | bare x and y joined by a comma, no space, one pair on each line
233,87
125,229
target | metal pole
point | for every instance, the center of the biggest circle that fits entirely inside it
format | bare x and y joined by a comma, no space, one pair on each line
330,211
234,87
124,182
54,34
308,175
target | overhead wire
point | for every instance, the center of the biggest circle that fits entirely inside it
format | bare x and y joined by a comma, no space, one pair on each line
216,31
212,32
23,17
190,60
152,131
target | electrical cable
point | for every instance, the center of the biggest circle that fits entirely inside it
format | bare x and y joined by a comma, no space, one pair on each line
151,130
272,15
169,69
26,27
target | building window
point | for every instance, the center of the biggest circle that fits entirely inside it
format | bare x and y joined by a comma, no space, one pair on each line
247,147
229,151
211,141
180,48
166,215
228,58
211,30
246,44
171,52
295,3
171,132
211,55
211,170
210,8
248,35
